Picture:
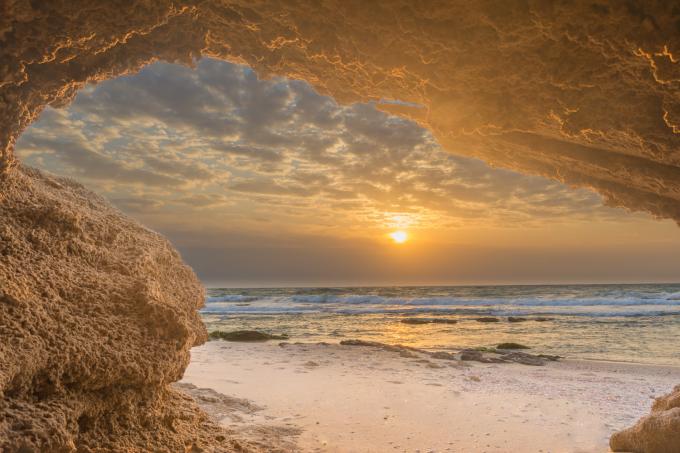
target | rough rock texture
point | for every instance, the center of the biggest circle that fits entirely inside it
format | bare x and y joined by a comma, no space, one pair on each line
97,315
658,432
586,92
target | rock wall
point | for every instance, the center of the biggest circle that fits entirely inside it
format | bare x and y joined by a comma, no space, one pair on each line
658,432
97,316
585,92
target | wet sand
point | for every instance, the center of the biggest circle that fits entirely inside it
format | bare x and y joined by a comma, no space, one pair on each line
333,398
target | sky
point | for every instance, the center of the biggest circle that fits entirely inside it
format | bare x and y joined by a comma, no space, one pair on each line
268,183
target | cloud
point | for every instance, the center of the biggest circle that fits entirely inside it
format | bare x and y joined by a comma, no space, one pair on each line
87,163
219,133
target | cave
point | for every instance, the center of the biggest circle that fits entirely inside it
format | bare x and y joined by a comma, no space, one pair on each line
584,93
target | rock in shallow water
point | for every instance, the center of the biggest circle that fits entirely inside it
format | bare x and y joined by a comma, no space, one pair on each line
245,335
512,346
428,321
516,319
97,316
488,319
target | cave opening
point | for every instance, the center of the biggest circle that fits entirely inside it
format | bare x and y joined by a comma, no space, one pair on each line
237,170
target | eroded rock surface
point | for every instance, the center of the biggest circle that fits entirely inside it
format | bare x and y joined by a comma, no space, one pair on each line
585,92
97,316
659,432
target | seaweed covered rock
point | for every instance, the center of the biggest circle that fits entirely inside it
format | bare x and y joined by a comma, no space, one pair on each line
245,335
658,432
512,346
97,316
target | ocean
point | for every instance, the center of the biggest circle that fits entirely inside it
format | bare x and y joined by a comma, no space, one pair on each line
631,323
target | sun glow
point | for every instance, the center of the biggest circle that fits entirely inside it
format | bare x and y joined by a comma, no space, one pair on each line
399,236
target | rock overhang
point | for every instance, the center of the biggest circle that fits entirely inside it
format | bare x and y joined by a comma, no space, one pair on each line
581,92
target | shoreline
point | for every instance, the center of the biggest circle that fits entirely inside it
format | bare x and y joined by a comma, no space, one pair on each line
332,398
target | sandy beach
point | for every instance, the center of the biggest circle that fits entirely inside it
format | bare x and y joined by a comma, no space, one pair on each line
334,398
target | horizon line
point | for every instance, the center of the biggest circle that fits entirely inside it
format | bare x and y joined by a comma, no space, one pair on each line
431,285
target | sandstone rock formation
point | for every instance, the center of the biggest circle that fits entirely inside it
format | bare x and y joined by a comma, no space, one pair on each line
585,92
658,432
97,315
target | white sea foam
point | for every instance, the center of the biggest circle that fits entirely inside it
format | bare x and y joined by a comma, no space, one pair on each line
616,303
282,305
231,298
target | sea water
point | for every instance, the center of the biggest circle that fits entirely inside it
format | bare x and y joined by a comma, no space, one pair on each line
633,323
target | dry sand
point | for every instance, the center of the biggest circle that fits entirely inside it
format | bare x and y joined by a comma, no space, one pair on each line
332,398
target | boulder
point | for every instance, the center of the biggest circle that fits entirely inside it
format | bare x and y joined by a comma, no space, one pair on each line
97,316
658,432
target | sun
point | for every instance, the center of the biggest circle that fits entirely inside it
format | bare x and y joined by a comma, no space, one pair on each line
399,236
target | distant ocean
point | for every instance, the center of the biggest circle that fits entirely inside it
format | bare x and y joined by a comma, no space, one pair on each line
633,323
